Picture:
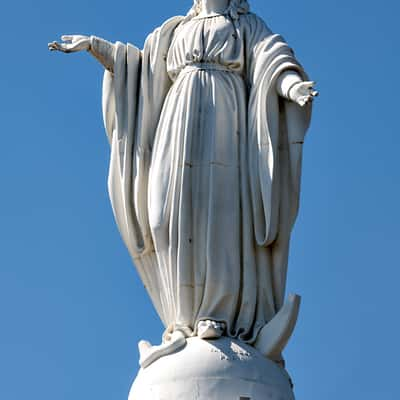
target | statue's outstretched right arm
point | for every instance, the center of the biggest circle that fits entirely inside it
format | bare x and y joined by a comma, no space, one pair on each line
101,49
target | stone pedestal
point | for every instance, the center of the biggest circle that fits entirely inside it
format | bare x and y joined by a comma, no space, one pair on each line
223,369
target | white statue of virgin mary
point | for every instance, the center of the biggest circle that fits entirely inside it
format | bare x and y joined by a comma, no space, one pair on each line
206,127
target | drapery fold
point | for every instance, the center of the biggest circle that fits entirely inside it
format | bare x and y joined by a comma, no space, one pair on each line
133,96
276,131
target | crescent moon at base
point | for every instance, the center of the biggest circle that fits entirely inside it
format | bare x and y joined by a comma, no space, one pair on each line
275,335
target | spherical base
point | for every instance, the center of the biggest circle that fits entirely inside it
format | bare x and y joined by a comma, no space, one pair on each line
222,369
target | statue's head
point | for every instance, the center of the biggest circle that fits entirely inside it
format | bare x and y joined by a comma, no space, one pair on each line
235,8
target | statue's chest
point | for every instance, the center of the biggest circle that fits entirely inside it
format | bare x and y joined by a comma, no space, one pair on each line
206,35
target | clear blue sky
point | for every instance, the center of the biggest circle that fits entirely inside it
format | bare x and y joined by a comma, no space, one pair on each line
72,307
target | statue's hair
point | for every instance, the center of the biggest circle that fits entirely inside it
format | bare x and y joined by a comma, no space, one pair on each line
235,8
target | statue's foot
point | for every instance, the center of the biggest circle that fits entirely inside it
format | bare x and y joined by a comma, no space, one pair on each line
149,353
210,329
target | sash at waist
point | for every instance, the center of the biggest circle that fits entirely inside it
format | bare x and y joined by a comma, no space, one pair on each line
194,67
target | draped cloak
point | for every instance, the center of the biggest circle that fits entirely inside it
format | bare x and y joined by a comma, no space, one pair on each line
136,96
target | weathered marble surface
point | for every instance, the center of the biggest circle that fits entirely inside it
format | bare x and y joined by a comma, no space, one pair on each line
223,369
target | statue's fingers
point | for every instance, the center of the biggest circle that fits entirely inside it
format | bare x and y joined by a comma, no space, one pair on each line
309,99
308,90
306,87
67,48
53,46
305,100
310,83
67,38
62,47
301,101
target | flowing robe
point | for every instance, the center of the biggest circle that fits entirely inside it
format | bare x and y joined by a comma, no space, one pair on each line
205,168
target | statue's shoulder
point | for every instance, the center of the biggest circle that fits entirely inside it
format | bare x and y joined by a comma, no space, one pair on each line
169,25
165,30
172,23
253,22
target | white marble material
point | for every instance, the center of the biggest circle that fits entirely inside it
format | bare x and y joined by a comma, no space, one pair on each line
149,353
274,336
209,329
223,369
206,126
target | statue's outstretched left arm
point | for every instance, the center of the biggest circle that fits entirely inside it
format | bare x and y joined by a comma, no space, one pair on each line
291,86
101,49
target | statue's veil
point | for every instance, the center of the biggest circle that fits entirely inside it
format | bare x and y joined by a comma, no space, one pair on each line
235,8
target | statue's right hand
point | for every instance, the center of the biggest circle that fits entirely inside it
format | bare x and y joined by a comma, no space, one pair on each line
71,43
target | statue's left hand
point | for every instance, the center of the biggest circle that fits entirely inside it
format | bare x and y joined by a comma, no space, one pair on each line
71,43
303,93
